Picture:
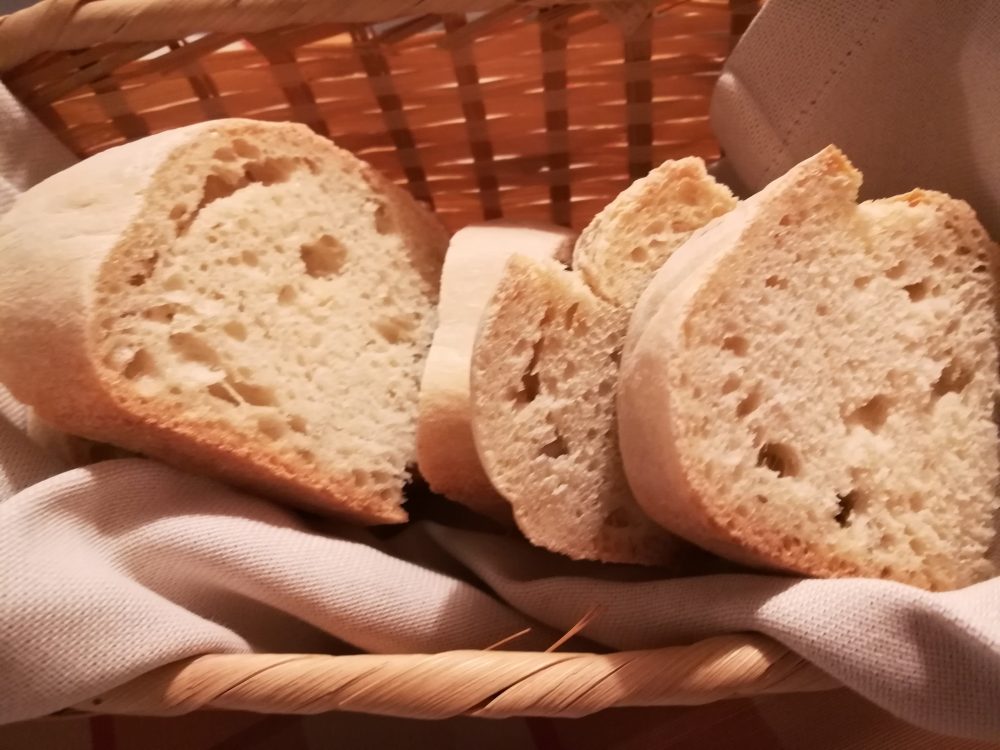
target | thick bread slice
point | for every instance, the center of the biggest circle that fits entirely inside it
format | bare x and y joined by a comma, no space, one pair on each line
810,384
545,367
236,297
446,451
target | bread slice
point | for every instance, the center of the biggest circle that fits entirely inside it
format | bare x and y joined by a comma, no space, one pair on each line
545,369
810,384
236,297
446,451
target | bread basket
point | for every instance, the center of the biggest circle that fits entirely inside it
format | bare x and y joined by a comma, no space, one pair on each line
482,108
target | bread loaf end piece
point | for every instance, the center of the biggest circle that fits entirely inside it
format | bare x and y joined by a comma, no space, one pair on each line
237,297
446,450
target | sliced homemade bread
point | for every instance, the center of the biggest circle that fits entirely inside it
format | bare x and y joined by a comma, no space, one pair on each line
811,384
446,451
236,297
545,369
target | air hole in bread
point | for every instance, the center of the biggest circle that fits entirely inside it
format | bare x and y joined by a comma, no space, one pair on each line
822,309
657,226
953,379
871,415
223,393
530,382
556,447
846,504
235,330
917,291
161,313
224,154
762,499
749,404
272,426
269,171
173,283
323,257
638,254
616,355
963,250
605,388
245,149
862,281
360,478
569,369
193,349
287,295
735,344
780,458
785,220
731,384
981,268
305,455
255,395
383,221
896,271
571,314
177,212
617,519
146,266
937,261
776,282
394,328
141,365
249,258
298,424
215,187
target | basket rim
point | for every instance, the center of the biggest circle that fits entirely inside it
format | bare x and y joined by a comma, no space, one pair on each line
55,25
486,684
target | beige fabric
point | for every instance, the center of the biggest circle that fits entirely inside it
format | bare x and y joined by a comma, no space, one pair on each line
108,571
909,90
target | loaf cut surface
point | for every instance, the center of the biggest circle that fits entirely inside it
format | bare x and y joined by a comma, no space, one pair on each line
545,370
446,450
237,297
810,384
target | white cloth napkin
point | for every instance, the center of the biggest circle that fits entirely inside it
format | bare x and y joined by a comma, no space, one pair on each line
111,570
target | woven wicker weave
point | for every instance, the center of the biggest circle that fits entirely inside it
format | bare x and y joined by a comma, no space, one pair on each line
483,108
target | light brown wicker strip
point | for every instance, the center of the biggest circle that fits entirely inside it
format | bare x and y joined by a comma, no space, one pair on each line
493,684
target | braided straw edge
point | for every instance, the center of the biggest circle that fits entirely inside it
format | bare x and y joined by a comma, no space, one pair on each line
493,684
58,25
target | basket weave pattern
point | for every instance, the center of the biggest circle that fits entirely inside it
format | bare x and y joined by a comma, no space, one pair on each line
482,109
512,110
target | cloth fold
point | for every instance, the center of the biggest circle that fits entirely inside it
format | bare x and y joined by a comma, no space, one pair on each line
114,569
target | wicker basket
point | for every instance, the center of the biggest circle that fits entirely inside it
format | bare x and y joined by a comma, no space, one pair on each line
483,108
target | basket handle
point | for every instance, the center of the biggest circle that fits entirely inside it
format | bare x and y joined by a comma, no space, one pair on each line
494,684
